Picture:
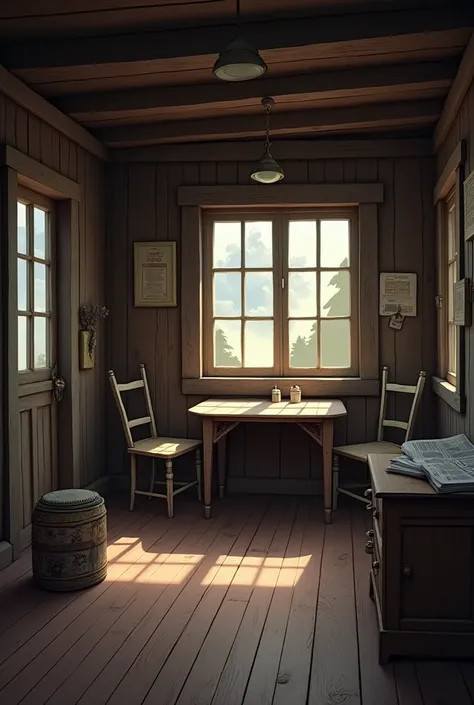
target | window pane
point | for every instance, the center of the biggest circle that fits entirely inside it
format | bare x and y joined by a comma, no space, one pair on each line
21,229
22,343
258,244
39,233
452,348
227,245
227,344
227,294
40,272
302,294
302,243
334,243
335,343
41,357
303,337
259,294
335,294
451,274
22,285
258,344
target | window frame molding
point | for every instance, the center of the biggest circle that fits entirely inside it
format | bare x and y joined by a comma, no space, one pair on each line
451,178
193,200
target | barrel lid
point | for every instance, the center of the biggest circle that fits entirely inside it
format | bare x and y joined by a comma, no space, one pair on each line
66,500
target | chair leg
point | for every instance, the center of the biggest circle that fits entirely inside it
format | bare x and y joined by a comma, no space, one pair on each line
198,472
152,478
133,480
335,480
169,487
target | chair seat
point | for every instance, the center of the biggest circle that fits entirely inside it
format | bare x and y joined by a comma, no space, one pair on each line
361,451
164,447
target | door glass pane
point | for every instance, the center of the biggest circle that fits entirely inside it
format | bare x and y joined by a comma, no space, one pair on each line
451,292
335,343
227,294
39,233
41,273
258,344
303,336
334,243
22,343
227,344
302,243
22,285
258,244
259,294
40,342
227,245
21,229
335,294
302,294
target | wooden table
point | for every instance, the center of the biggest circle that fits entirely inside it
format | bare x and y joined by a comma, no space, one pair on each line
314,416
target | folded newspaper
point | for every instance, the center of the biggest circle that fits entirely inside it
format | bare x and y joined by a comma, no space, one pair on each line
447,463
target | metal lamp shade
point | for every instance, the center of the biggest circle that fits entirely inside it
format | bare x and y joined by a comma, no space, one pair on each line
239,61
267,171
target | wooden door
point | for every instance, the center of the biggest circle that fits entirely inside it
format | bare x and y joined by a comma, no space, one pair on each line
37,336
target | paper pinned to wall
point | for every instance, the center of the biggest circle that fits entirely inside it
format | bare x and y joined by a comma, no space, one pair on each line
397,293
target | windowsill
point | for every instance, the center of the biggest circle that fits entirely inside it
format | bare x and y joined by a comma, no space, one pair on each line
447,392
262,386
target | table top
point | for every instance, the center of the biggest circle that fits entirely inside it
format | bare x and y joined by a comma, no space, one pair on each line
248,409
389,484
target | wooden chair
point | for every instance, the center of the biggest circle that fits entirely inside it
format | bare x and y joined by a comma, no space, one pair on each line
154,447
361,451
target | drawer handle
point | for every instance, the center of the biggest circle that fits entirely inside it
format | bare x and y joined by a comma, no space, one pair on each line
369,533
369,546
368,493
407,571
375,565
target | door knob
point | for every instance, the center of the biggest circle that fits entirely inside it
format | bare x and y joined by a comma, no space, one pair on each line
407,571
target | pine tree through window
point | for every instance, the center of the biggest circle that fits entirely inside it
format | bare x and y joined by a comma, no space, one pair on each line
280,294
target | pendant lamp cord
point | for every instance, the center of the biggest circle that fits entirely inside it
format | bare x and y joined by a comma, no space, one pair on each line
268,107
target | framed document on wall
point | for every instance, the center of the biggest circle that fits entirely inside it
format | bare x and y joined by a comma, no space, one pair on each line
155,274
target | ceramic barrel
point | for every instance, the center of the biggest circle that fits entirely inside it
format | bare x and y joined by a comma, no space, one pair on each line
69,540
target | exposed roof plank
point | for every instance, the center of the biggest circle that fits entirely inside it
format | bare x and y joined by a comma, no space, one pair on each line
327,85
303,122
289,39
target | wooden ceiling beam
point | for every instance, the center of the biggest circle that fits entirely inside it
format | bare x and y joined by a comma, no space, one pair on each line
295,33
329,84
298,122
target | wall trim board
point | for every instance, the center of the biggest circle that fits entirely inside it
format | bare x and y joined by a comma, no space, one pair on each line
6,554
456,95
13,88
448,394
282,149
261,386
288,194
277,485
448,178
38,177
101,485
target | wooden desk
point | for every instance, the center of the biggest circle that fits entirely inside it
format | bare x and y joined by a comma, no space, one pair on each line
315,416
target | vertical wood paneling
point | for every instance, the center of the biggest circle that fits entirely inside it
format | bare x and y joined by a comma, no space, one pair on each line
286,452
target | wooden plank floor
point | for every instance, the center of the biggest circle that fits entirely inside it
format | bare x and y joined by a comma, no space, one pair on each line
261,604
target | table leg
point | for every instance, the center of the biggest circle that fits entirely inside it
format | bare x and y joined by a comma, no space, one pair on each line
207,441
222,463
327,444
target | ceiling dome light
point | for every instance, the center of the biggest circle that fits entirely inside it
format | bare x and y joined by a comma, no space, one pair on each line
239,61
267,171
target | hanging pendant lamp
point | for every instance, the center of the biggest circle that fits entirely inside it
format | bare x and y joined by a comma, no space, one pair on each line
267,171
239,61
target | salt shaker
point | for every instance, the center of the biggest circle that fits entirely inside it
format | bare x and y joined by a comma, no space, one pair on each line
295,394
276,395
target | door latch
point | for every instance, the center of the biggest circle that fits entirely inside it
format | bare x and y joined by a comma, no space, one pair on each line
59,384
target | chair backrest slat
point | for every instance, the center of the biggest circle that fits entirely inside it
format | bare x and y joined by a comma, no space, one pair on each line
415,390
118,390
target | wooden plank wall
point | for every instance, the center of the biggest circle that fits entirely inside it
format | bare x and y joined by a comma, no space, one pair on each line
450,421
142,205
37,139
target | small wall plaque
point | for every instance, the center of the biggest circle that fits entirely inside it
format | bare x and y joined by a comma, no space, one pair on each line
155,273
468,189
462,302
